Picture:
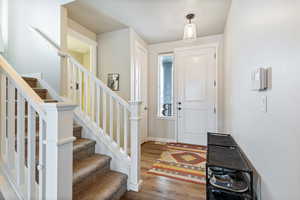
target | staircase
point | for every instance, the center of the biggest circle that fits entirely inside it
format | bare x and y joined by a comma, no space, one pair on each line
92,177
38,135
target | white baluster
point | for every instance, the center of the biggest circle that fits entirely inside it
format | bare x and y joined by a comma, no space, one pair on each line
98,104
92,96
86,78
104,112
31,147
20,139
111,118
3,115
125,129
74,72
118,124
70,79
11,125
80,89
42,159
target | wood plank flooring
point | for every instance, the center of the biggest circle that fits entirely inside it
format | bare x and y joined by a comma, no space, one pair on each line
162,188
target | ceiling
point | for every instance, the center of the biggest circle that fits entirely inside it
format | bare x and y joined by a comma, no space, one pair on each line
77,46
154,20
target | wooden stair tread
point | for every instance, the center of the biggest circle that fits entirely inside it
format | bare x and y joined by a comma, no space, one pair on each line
110,186
30,81
29,78
82,143
86,167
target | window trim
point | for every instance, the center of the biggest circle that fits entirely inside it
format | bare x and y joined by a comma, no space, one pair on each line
158,101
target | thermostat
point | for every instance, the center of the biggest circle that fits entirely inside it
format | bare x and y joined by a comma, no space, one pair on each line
259,79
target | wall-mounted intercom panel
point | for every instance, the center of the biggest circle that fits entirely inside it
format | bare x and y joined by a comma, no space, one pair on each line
259,79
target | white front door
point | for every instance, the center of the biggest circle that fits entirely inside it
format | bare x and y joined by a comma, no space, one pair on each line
196,94
141,62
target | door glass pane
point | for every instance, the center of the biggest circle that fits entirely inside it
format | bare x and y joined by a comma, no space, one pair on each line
165,104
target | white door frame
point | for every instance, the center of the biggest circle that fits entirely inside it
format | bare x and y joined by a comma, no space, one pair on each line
212,45
93,47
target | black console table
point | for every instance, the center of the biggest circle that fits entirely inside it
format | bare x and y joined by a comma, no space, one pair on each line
223,152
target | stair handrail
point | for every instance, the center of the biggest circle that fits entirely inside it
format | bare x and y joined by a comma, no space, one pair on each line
66,54
31,96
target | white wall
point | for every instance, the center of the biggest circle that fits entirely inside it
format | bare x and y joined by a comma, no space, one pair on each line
266,34
114,57
164,128
28,52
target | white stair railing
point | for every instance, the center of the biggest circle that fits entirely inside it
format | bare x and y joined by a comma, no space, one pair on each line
117,119
36,140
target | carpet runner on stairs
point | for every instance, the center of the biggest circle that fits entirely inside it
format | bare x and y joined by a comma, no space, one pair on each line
92,177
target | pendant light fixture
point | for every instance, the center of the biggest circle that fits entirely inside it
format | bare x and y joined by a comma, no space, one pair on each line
190,29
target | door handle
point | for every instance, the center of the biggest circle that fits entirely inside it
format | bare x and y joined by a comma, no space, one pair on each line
179,108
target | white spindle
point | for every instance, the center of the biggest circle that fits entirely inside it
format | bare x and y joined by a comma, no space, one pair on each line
118,125
74,75
125,118
111,117
92,100
86,93
80,89
104,112
98,104
31,147
3,115
20,139
70,79
42,159
11,125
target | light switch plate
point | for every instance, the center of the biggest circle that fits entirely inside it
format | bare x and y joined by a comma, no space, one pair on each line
264,103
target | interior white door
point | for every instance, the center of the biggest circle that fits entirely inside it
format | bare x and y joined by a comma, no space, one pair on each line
141,60
196,94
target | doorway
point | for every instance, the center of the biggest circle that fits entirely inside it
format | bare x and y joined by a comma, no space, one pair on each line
84,50
141,77
196,94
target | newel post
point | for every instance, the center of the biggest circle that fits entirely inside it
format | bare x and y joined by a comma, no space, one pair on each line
59,150
135,146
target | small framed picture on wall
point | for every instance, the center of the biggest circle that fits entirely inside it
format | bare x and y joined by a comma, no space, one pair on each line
113,81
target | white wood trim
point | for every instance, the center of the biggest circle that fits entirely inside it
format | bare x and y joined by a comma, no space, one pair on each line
59,159
164,140
80,36
93,47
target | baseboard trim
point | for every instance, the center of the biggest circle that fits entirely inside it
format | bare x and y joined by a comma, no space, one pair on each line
155,139
135,187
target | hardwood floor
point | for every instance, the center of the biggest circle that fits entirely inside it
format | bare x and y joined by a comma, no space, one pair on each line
162,188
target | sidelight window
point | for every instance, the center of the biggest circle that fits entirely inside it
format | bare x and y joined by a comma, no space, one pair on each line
166,78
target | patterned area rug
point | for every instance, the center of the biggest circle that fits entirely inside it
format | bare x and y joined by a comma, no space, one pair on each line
182,162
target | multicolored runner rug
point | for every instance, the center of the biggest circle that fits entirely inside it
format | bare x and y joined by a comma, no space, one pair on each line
182,162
